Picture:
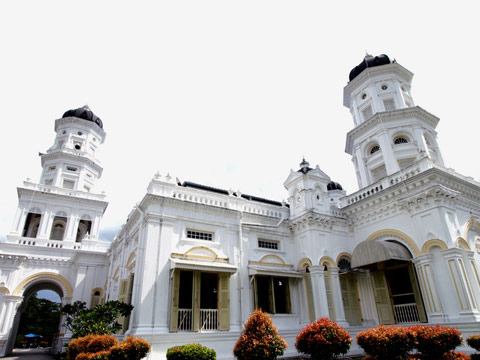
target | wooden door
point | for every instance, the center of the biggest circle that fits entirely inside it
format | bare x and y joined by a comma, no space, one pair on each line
351,303
382,298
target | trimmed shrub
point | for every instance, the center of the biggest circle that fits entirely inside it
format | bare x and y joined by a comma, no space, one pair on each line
474,342
323,339
191,352
259,339
451,355
106,347
386,342
77,346
435,342
101,343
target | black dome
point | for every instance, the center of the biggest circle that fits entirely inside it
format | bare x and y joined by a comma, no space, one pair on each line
368,62
332,185
84,113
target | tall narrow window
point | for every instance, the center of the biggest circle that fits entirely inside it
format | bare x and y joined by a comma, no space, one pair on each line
272,294
58,227
32,224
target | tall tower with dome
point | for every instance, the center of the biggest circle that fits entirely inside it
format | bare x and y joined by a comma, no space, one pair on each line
54,241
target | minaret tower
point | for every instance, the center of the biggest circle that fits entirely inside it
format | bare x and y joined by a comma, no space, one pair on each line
63,206
390,132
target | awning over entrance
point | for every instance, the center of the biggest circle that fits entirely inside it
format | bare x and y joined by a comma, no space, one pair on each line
202,265
257,270
371,252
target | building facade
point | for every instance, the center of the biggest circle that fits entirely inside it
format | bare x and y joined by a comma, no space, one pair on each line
195,260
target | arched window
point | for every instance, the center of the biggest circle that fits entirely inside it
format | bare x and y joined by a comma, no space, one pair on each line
344,265
374,149
400,140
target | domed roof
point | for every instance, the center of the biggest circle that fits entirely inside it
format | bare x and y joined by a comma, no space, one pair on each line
368,62
84,113
332,185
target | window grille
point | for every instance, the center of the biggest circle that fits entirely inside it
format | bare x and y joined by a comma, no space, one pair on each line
344,265
267,244
400,140
199,235
374,149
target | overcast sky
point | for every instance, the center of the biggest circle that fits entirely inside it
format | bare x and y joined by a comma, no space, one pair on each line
229,94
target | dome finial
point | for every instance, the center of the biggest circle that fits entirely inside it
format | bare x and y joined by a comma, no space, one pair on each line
304,164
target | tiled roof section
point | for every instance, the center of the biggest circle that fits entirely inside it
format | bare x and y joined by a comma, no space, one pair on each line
262,200
225,192
204,187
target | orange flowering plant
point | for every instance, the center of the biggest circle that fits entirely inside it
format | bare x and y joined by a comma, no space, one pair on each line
259,339
435,342
323,339
106,347
474,342
386,342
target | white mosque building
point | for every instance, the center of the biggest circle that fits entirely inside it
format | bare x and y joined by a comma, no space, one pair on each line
195,261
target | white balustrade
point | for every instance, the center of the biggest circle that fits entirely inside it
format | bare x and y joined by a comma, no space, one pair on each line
406,313
208,319
185,319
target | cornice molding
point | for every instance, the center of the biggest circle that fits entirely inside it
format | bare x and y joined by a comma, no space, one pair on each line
389,116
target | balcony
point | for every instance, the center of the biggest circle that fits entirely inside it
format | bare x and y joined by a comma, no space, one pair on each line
208,319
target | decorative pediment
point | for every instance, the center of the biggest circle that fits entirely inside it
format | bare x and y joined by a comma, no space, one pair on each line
200,253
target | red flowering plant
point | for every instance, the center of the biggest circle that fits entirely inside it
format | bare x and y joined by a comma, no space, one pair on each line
386,342
474,342
106,347
323,339
259,339
435,342
451,355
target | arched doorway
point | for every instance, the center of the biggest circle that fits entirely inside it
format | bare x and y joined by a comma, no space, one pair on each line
397,296
28,290
39,319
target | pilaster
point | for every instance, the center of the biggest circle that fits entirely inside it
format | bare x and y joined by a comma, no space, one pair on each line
337,297
320,301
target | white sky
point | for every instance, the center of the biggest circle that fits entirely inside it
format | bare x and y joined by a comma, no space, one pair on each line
229,94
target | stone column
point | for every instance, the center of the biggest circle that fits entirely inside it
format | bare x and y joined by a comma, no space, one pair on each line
337,297
425,274
319,291
8,326
389,159
362,167
462,285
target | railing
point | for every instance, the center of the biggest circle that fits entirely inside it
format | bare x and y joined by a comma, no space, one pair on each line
185,319
406,313
208,319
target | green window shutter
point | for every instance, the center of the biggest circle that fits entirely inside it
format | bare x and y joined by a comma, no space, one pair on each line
309,291
196,300
224,302
122,297
288,303
416,293
328,290
255,293
174,303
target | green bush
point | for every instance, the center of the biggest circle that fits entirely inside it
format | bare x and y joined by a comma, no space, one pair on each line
191,352
323,339
259,339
